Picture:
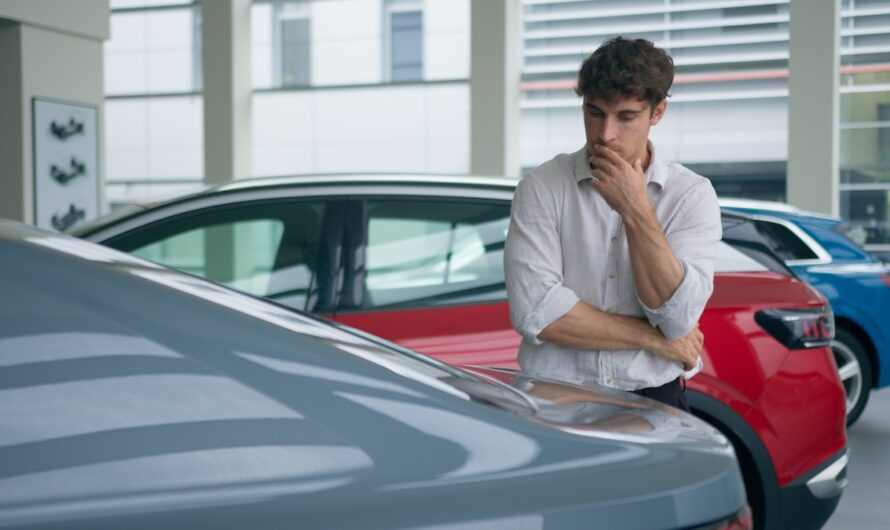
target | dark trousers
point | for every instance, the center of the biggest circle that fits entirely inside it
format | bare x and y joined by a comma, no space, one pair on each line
673,394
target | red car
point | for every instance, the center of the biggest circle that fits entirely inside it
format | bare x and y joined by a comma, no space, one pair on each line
418,260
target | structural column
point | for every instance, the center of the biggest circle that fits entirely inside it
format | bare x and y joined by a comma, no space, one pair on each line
495,44
813,106
225,54
51,52
225,48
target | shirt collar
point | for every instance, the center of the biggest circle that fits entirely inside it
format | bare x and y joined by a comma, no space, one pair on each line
658,168
657,171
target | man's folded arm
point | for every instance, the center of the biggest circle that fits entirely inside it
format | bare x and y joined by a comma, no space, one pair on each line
588,328
693,235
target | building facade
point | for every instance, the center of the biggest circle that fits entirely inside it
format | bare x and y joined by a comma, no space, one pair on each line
382,85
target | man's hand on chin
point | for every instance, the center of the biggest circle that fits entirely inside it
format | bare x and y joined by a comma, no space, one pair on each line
621,184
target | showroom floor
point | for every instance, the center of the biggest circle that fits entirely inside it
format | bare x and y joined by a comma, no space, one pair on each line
866,503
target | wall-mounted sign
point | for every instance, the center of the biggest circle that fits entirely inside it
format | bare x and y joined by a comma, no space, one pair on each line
66,163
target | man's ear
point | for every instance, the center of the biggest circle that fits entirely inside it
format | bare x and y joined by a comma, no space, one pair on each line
658,113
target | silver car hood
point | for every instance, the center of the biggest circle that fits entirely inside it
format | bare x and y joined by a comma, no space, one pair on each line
594,411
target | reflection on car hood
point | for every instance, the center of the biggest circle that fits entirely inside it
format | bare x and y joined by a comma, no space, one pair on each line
594,411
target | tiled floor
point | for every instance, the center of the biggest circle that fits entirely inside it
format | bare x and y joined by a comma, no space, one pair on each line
865,504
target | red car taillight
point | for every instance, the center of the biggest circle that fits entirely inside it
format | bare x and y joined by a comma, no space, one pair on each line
741,521
798,328
886,278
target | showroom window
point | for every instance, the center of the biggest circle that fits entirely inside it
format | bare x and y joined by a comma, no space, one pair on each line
865,125
428,253
404,40
153,100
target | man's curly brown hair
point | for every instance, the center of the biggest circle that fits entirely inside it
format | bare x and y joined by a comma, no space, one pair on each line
624,68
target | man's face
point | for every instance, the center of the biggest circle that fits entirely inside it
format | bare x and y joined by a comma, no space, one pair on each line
622,125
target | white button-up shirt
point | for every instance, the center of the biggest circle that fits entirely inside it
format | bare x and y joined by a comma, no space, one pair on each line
566,244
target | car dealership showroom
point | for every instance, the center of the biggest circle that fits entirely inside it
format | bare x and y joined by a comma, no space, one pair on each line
443,264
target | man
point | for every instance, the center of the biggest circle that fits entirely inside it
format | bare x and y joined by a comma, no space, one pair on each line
609,259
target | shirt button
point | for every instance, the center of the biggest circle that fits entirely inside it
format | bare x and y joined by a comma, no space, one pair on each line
610,381
614,239
611,275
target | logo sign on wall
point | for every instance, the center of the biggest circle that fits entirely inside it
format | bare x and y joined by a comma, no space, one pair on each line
66,163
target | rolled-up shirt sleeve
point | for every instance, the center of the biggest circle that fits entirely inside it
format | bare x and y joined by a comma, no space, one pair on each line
693,234
533,268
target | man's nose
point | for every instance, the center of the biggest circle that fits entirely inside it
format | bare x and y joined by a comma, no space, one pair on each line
608,131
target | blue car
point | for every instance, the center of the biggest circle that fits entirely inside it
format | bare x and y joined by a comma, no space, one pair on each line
856,284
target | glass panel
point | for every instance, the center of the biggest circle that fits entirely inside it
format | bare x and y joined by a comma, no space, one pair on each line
865,155
183,251
784,242
153,52
295,52
239,255
731,260
863,78
269,251
406,48
865,137
154,141
433,253
868,4
755,12
749,180
865,107
866,215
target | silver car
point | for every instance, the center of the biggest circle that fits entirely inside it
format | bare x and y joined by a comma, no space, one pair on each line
135,395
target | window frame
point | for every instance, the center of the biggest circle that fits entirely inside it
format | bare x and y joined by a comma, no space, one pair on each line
302,10
390,8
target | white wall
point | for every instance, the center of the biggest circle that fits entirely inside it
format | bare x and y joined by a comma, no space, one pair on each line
346,42
400,129
155,138
150,52
446,39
